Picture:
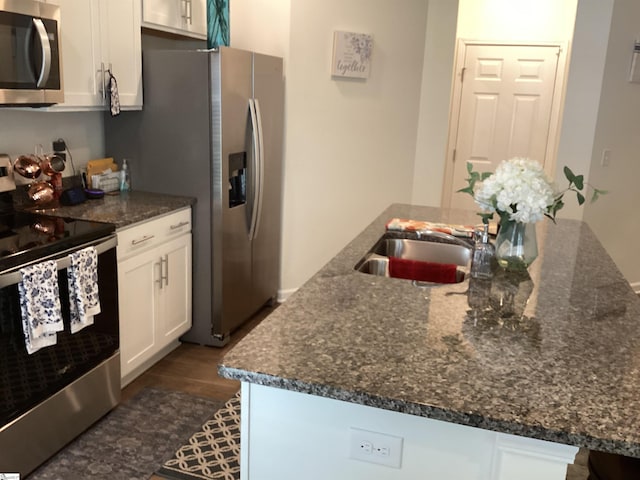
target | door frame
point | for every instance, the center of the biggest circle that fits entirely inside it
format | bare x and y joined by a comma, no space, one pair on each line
557,107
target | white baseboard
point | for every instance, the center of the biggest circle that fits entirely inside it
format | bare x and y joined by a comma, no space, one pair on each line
636,287
284,294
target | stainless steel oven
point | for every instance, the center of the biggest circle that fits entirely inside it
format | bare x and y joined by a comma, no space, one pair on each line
30,59
50,396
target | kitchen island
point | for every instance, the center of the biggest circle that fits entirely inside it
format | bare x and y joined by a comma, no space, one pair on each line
467,380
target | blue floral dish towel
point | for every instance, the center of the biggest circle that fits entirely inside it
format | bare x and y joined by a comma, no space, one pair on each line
83,288
40,305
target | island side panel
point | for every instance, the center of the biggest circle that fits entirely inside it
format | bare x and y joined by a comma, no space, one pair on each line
290,435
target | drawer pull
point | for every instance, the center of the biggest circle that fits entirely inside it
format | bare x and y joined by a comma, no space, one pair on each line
142,240
178,225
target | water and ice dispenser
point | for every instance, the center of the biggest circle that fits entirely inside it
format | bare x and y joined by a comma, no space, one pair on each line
237,179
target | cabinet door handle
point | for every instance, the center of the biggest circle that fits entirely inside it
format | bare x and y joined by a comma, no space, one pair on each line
189,15
106,83
184,11
105,75
164,274
166,266
101,75
178,225
164,271
138,241
158,280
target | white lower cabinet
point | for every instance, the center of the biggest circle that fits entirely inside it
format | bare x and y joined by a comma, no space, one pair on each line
154,288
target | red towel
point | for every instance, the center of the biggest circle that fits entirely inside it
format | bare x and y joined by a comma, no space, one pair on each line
422,271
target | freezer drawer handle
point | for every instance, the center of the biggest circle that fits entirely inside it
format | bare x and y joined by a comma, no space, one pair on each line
138,241
179,225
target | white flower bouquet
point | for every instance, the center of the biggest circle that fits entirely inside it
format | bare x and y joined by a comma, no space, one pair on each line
519,191
521,194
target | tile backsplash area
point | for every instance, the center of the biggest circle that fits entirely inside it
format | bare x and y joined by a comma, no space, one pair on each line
23,130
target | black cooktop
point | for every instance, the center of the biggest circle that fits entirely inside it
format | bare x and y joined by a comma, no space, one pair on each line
26,237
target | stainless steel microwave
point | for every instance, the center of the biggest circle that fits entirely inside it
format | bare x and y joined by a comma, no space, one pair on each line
30,63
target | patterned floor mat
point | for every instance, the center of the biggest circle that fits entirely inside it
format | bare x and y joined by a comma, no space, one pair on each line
211,453
133,440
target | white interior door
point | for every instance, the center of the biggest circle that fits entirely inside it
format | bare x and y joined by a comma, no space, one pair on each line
506,98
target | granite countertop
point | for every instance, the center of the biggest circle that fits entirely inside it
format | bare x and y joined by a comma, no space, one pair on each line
561,362
122,209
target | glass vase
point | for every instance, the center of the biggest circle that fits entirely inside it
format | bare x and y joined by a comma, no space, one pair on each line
516,245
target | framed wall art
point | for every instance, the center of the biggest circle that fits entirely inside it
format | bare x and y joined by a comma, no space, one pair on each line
351,54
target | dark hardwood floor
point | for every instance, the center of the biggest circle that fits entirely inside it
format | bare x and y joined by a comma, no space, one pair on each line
193,368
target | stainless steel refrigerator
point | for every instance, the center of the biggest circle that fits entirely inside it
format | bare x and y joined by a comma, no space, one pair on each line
212,128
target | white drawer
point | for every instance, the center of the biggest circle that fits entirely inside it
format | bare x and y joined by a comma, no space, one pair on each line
142,236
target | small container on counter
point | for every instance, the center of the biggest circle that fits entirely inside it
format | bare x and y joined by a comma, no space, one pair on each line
483,254
125,178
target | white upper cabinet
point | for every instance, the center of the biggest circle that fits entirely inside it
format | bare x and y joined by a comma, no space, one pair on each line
182,17
122,41
100,35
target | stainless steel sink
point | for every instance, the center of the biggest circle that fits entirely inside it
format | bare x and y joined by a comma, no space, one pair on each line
427,249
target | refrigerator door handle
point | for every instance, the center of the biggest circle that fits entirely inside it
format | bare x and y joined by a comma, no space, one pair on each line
255,165
260,163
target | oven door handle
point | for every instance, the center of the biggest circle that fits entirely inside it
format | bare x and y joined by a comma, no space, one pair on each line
64,260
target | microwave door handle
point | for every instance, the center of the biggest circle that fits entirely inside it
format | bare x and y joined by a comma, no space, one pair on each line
46,52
